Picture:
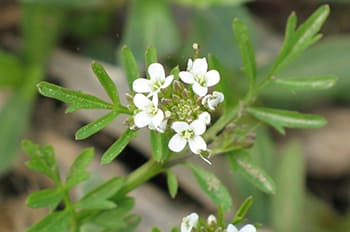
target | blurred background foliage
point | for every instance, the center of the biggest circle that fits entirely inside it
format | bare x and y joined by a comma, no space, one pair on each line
99,28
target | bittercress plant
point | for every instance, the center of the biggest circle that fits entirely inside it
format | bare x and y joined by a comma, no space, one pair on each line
178,109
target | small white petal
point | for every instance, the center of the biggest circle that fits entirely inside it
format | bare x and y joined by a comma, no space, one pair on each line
200,66
198,127
199,90
180,126
142,119
177,143
189,222
158,118
204,117
189,64
141,101
162,126
212,77
219,96
168,81
141,85
205,99
155,100
231,228
211,220
197,144
186,77
248,228
156,71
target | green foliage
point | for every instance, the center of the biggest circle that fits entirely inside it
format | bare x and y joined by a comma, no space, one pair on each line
212,186
130,65
118,146
242,211
209,3
172,183
311,83
245,166
283,118
46,197
54,222
11,70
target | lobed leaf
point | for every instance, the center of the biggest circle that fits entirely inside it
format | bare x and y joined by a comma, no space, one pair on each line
246,49
212,186
172,183
106,82
77,172
284,118
313,83
95,126
118,146
76,99
54,222
46,197
298,40
42,159
244,165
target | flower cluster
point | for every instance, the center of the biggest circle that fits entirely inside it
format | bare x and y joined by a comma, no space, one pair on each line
190,223
177,103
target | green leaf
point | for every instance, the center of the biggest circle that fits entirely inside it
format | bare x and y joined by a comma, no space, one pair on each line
106,82
155,229
76,99
246,48
54,222
42,159
11,70
290,182
68,3
151,23
243,163
98,198
130,65
172,183
298,40
212,186
95,126
77,172
242,211
150,55
304,83
283,118
47,197
118,146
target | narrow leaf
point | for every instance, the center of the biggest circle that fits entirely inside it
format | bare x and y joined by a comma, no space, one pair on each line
242,211
47,197
212,186
77,172
159,144
243,163
76,99
317,83
246,48
106,82
118,146
130,65
11,70
172,183
150,56
95,126
55,222
102,192
283,118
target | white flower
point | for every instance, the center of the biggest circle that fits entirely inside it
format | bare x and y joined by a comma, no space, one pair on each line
205,117
188,133
212,100
211,220
198,76
149,115
157,80
246,228
160,128
189,222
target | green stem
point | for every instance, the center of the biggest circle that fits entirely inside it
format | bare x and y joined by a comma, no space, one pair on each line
141,175
70,208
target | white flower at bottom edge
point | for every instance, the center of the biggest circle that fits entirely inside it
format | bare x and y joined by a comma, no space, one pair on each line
189,222
156,82
199,77
149,115
246,228
190,133
212,100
